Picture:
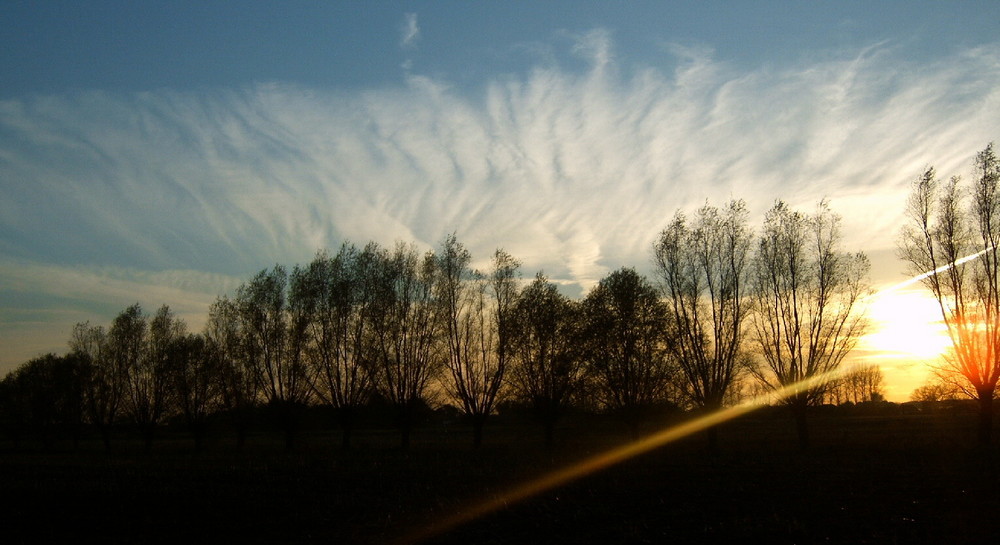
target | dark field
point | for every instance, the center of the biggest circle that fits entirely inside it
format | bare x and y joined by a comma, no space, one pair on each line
885,478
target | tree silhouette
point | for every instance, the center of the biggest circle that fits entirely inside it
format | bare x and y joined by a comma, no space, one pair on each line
144,349
935,389
405,332
13,413
227,348
807,294
703,269
195,382
273,343
547,365
627,345
858,386
44,397
341,349
947,225
477,317
104,378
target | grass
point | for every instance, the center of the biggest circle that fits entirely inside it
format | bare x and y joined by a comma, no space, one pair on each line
887,478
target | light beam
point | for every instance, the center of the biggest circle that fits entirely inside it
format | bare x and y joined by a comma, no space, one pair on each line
643,445
609,458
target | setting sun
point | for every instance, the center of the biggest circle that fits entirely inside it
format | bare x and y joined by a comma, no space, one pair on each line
905,324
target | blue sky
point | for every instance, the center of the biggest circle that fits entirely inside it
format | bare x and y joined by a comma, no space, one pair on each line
163,152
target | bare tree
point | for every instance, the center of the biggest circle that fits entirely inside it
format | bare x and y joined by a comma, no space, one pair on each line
238,387
104,379
126,346
935,390
405,332
627,345
703,269
546,365
273,336
863,384
808,303
196,382
342,354
948,225
144,347
477,311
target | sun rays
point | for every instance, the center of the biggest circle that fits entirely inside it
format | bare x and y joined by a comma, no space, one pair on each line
905,322
609,458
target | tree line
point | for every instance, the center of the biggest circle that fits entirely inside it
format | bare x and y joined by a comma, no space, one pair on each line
728,310
727,307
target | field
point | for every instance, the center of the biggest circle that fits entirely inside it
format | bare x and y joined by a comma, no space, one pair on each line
891,477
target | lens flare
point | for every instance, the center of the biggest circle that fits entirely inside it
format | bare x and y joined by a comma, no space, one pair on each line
612,457
617,455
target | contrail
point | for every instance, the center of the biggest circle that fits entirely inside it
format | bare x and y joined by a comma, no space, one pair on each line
941,269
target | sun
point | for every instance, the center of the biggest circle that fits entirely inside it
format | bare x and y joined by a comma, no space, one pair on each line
906,324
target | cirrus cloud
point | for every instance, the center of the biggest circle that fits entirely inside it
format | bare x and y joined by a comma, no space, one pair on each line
572,171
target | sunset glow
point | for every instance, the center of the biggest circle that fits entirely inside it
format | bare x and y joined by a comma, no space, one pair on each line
905,324
163,155
452,271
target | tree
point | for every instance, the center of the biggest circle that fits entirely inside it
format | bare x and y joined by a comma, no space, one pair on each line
195,381
405,332
272,328
627,345
144,348
546,365
44,397
948,225
862,384
477,311
237,382
342,354
104,378
807,294
13,414
935,390
703,270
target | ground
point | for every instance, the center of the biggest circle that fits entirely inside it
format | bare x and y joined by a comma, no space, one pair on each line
885,478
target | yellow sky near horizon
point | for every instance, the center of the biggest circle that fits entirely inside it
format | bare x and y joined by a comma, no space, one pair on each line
906,337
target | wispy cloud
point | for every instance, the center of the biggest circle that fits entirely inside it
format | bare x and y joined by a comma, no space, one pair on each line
410,32
42,302
572,171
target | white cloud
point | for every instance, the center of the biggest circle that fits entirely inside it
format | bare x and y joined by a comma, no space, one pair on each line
573,172
410,32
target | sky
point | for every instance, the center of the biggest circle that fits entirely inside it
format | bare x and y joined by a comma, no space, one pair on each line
164,152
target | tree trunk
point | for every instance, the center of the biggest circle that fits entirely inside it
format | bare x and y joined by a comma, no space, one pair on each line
801,425
404,436
712,434
477,431
241,436
198,433
147,437
240,418
106,437
288,421
345,437
985,434
550,431
345,418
